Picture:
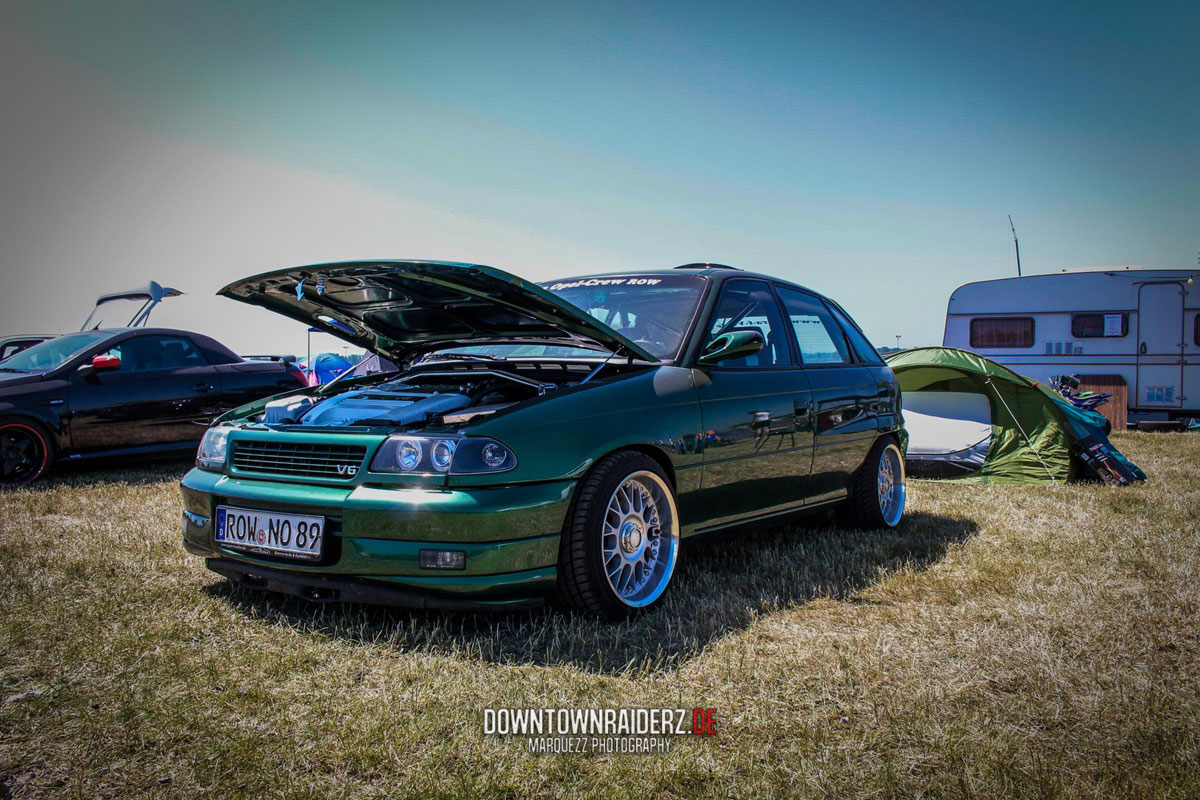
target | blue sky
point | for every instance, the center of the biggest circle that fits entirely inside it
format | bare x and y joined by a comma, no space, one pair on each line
870,151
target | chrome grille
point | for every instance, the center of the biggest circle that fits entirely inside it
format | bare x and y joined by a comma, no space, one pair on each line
299,459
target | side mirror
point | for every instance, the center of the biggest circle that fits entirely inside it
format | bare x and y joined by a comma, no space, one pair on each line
735,344
103,363
106,363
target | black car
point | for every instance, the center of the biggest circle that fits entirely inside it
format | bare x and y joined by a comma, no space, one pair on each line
11,345
125,391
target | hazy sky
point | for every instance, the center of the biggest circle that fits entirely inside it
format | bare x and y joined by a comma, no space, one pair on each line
869,151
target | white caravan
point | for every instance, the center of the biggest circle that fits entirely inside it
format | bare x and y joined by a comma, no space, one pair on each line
1141,324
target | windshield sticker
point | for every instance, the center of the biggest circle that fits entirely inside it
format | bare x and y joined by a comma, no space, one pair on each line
588,282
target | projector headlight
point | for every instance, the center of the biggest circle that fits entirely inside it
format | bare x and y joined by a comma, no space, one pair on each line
432,455
213,448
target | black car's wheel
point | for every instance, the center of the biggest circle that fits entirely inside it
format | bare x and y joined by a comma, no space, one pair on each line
25,452
621,541
878,491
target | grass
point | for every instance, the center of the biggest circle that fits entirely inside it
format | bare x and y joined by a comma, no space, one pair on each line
1023,641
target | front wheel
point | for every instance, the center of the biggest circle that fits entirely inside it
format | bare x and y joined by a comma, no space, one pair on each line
878,491
621,542
25,453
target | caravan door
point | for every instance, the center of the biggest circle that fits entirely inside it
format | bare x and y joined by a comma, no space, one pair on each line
1160,346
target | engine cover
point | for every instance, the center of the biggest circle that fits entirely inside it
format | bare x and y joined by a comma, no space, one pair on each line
383,406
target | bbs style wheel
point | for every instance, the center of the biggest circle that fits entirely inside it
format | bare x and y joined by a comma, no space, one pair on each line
25,453
621,542
879,490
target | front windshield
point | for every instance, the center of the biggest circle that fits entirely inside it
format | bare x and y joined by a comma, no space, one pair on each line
52,353
652,310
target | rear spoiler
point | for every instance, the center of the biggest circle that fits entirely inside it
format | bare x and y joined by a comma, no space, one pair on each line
152,293
286,359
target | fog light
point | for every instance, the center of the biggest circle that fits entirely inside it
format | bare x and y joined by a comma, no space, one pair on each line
443,559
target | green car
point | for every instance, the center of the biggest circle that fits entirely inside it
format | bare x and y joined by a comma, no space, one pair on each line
553,441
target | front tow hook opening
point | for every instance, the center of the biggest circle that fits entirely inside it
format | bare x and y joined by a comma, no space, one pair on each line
252,581
320,594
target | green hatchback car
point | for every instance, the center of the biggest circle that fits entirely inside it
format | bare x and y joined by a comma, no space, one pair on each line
510,443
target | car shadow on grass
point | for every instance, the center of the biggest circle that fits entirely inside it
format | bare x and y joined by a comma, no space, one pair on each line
721,587
125,470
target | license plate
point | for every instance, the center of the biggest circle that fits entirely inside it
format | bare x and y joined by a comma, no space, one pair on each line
270,533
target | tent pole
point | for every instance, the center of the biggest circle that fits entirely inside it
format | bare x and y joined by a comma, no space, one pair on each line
1013,416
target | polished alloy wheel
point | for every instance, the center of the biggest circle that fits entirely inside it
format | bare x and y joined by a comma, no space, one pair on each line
890,480
640,538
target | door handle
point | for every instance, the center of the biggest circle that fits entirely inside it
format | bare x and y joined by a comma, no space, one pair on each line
1142,349
800,407
202,387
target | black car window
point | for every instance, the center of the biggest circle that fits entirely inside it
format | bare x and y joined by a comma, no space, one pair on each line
862,347
817,333
145,353
750,305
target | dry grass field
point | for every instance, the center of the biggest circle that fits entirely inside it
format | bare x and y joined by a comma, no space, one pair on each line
1025,641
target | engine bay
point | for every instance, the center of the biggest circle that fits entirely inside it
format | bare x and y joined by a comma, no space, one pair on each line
409,400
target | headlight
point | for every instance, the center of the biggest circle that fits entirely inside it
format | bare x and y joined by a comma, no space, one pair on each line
213,448
431,455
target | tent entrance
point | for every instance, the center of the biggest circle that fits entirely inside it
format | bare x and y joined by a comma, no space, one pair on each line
950,433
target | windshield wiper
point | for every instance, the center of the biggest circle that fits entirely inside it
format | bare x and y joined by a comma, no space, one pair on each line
429,358
12,369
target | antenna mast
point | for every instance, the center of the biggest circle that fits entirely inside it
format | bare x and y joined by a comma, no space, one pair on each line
1016,244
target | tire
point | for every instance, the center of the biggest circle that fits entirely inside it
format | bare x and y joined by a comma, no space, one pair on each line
26,452
868,508
621,540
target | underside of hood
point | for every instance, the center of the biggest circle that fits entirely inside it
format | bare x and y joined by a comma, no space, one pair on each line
401,309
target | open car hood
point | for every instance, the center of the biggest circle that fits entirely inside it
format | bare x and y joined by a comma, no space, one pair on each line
400,309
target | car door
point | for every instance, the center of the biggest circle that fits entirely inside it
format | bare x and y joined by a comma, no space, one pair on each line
845,389
756,437
162,394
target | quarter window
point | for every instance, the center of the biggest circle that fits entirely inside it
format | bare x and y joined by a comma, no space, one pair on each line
1002,332
858,340
750,305
1097,326
817,333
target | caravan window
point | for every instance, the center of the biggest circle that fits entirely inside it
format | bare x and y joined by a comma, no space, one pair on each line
1097,326
1002,332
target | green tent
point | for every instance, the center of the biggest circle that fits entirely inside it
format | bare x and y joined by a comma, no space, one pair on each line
969,418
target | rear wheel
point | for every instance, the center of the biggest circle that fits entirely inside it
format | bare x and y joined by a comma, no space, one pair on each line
25,452
621,541
878,491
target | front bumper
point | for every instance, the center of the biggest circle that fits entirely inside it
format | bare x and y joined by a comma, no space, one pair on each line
375,535
326,589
